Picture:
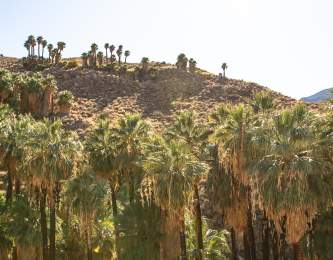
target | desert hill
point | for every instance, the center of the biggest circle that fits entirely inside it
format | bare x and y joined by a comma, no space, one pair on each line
320,96
100,92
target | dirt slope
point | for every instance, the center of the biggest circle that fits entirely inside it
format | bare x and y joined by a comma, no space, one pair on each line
99,92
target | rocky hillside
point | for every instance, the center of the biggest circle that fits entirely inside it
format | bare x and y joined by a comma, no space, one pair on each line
321,96
99,92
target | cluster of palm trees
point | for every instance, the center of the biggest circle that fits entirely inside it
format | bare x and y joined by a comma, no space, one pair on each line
246,158
41,43
183,61
27,93
93,58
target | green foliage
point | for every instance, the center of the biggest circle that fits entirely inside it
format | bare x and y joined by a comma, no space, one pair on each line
284,156
23,222
65,97
263,101
322,237
216,244
139,225
72,64
6,81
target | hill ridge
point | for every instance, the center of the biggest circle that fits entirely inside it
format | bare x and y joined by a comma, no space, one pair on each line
100,92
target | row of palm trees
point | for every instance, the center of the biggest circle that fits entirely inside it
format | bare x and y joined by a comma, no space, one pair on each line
41,43
252,158
93,58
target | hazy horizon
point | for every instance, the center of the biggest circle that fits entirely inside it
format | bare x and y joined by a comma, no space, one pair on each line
284,45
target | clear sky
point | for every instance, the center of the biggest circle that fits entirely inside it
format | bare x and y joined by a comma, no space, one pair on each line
286,45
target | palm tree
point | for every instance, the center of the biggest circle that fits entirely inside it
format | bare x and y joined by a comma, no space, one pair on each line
84,57
182,62
192,65
61,47
119,53
86,195
224,67
106,47
54,55
50,156
13,133
102,148
113,58
145,62
91,59
127,53
32,42
130,131
50,49
292,173
27,46
172,168
100,58
39,42
232,135
94,48
112,48
44,44
195,135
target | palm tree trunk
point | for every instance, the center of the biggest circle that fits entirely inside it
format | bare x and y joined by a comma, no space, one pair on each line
106,55
297,252
38,50
52,229
247,250
183,253
251,237
131,190
43,53
89,247
115,213
275,240
17,187
234,245
198,223
14,253
125,59
43,224
9,191
114,201
265,245
283,238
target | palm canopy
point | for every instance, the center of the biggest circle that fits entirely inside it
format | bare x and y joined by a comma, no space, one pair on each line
102,149
50,154
85,193
130,130
263,101
188,128
173,169
13,134
232,134
293,179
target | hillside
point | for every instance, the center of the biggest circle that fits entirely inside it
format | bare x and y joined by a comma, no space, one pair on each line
321,96
99,92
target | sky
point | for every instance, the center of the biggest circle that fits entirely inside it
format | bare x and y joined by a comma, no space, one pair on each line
286,45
